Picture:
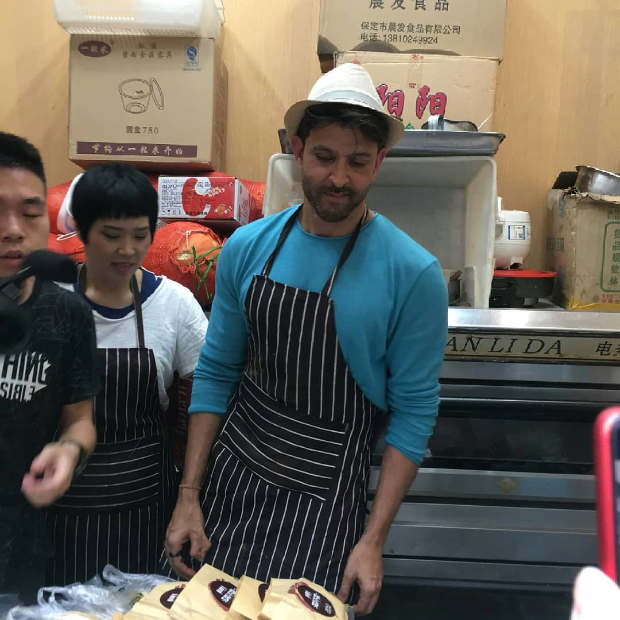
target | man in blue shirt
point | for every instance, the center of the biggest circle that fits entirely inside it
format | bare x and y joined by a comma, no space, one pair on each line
327,317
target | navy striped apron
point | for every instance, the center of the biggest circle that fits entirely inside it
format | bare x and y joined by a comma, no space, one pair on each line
117,511
285,494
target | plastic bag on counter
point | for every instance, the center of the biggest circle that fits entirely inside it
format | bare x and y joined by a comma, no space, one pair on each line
7,602
98,598
34,613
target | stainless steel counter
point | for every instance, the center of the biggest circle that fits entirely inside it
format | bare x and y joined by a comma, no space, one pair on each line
505,496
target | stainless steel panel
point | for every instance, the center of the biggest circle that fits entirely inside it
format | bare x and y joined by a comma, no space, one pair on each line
463,484
469,517
548,321
478,573
531,396
518,372
494,533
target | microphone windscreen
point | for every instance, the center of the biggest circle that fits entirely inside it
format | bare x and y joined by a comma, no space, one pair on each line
51,266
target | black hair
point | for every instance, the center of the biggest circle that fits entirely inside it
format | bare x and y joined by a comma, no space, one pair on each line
372,125
16,152
116,191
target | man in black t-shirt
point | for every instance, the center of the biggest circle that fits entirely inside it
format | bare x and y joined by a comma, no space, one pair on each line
46,388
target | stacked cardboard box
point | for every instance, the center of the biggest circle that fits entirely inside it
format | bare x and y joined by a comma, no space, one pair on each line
146,92
158,103
425,56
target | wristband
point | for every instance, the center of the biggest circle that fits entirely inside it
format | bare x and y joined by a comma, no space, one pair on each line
82,459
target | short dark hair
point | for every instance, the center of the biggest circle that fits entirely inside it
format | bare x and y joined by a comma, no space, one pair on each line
372,125
116,191
16,152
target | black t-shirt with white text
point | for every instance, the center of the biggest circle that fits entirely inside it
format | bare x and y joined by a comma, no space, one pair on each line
57,367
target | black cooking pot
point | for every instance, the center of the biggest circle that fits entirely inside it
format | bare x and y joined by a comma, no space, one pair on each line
518,288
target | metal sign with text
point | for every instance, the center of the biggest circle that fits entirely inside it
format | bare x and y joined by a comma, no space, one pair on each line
534,348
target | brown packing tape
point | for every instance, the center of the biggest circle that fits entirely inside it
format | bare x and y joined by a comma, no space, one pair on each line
576,304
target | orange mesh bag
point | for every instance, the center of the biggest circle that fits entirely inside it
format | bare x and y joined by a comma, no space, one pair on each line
70,245
186,252
55,196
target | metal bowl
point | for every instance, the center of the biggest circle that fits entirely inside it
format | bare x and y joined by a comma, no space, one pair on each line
597,181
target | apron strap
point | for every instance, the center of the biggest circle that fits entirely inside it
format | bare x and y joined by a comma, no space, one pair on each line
137,302
327,289
281,239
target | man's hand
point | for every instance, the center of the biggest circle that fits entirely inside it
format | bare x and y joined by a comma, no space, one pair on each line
365,565
50,474
187,524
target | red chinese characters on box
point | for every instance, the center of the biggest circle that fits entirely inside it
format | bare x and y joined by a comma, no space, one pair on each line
204,198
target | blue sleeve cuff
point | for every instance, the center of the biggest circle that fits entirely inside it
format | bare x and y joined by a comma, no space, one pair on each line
410,431
208,397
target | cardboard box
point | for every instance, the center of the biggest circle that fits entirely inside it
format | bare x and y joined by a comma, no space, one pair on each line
583,247
213,198
414,86
158,103
463,27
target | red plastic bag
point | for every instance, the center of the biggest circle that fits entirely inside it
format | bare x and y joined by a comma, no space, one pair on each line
55,196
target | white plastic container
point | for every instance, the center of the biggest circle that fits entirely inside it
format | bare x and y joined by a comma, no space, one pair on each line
513,239
161,18
447,204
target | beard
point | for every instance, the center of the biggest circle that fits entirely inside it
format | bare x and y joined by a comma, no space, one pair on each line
327,209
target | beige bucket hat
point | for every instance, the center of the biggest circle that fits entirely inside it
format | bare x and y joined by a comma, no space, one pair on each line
348,84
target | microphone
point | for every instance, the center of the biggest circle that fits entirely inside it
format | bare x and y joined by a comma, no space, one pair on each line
42,264
14,324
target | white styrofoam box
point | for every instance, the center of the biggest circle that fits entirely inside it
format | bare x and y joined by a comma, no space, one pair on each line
447,204
161,18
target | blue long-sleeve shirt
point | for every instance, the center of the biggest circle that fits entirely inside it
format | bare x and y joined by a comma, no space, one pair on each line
391,310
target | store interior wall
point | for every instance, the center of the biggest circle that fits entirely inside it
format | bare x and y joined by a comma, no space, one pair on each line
558,95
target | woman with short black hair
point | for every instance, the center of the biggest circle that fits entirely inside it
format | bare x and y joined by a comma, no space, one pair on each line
148,328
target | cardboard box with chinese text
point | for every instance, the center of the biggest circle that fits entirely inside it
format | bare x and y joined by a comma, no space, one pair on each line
157,103
462,27
217,199
414,86
583,247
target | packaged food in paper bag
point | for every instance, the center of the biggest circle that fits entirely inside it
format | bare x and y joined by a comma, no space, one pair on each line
157,603
278,589
249,599
306,600
208,596
284,611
